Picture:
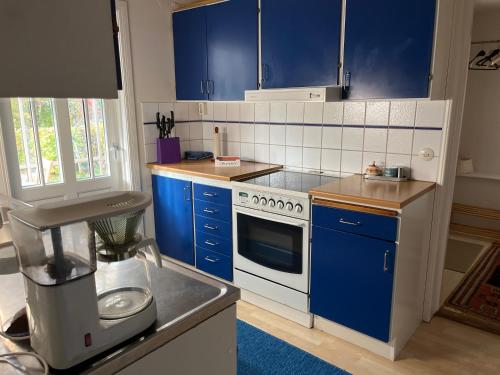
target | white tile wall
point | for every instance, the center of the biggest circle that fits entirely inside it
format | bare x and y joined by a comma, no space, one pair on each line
338,138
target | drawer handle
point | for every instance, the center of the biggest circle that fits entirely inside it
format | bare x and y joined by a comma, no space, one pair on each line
386,254
210,243
206,226
342,221
208,211
211,195
211,260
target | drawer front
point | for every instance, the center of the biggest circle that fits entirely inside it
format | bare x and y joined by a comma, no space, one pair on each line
366,224
220,245
212,210
212,194
214,263
214,227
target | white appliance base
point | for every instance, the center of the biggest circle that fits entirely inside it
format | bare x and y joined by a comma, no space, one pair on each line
386,350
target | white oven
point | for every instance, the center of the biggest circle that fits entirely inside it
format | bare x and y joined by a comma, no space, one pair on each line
271,246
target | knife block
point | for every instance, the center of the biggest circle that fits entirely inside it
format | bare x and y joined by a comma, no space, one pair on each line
168,150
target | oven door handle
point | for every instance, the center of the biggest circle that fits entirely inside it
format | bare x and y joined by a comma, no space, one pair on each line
296,224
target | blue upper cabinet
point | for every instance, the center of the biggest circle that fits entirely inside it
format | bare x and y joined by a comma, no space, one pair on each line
216,51
388,48
190,48
300,42
173,207
232,45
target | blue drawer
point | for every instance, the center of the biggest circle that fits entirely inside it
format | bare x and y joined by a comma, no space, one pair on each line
212,210
212,194
214,263
366,224
212,226
220,245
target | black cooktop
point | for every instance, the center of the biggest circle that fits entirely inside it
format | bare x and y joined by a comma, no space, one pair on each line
292,181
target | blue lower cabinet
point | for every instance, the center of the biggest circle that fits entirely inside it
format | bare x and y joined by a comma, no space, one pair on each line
173,208
214,263
220,245
352,280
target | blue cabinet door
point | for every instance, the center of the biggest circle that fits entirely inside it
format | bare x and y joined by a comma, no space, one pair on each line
352,280
190,50
232,45
174,218
300,42
388,48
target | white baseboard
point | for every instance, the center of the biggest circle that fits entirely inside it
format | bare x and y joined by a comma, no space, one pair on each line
304,319
381,348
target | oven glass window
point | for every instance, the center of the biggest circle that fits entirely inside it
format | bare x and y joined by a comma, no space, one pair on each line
271,244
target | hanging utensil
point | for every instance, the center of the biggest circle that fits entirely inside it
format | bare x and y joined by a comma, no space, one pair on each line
158,123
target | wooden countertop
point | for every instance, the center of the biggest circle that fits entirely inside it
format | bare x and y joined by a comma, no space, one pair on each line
388,194
207,169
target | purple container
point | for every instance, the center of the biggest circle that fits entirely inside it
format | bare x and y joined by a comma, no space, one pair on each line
168,150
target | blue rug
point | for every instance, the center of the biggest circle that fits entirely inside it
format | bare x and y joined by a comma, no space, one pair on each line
262,354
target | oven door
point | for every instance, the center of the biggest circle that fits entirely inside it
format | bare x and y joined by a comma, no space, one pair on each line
272,246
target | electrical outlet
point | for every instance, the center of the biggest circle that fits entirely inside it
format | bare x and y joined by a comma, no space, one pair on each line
426,154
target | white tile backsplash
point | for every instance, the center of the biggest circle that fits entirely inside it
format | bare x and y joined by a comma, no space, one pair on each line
246,132
312,136
331,137
262,153
375,140
220,112
377,113
402,113
352,139
278,112
313,113
354,113
427,139
330,160
247,112
277,154
262,133
430,113
262,112
400,141
311,158
294,156
295,113
277,134
294,135
351,161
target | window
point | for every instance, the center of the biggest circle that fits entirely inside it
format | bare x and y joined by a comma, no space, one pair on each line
36,141
88,132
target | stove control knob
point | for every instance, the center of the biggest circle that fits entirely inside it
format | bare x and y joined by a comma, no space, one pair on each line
289,206
263,201
281,205
298,208
255,199
271,203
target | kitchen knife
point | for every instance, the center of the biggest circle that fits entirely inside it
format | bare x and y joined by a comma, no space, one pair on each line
158,123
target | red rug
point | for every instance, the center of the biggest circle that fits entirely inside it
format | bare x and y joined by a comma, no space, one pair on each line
476,300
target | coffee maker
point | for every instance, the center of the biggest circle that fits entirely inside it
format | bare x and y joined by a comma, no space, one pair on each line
86,274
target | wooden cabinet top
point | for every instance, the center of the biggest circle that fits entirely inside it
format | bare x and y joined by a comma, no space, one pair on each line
207,169
356,189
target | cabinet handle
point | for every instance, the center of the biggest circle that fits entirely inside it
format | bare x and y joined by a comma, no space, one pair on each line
210,243
202,87
206,226
187,197
314,95
386,254
342,221
346,84
211,195
265,72
210,87
211,260
208,211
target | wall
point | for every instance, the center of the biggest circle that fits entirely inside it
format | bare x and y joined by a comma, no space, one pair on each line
336,138
480,138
